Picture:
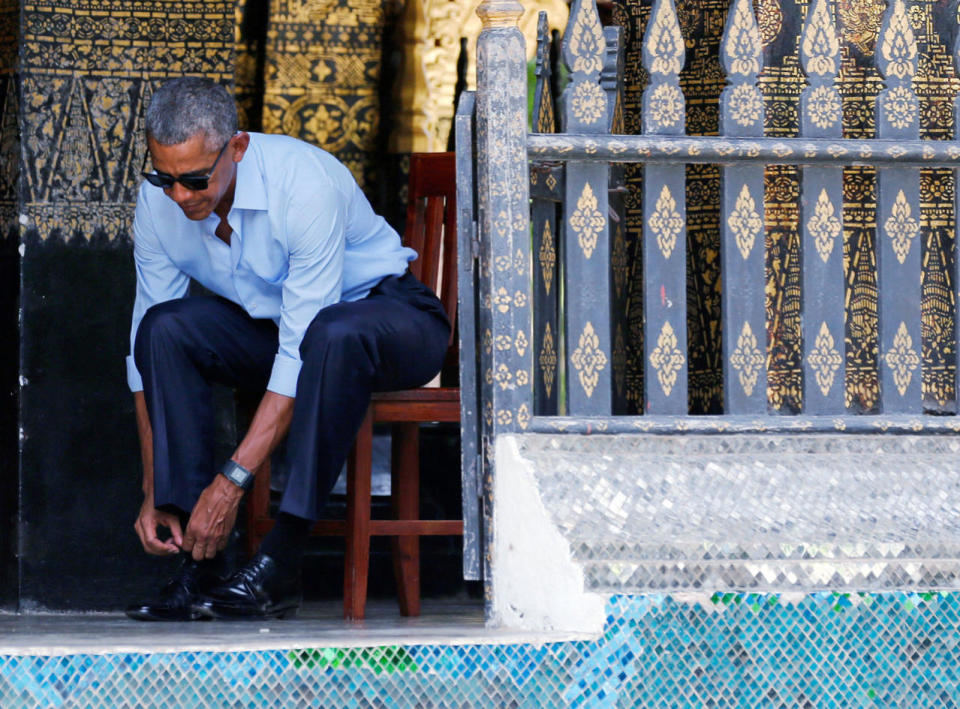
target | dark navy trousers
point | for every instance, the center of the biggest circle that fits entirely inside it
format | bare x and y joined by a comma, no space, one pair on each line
395,338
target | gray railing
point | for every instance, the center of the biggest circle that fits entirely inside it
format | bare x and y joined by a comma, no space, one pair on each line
549,230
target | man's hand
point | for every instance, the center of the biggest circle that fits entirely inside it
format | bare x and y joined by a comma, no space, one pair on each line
146,525
212,519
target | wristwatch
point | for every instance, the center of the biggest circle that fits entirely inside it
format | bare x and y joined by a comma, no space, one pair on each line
237,474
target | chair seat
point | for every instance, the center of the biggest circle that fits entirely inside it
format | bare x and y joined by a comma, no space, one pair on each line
419,405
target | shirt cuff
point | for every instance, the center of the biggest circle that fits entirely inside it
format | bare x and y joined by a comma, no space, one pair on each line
134,381
283,378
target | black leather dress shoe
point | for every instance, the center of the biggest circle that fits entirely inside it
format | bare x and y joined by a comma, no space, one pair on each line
180,593
260,589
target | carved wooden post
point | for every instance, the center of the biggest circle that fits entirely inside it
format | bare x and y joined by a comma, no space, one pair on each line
504,217
741,221
503,225
822,220
956,243
664,210
587,246
898,219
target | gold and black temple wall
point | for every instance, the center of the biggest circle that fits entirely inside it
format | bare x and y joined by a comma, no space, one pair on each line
702,80
86,69
9,302
782,80
322,76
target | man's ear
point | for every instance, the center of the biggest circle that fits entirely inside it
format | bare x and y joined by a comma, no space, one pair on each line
239,145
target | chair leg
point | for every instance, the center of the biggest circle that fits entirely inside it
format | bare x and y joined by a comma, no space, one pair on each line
357,559
405,494
258,507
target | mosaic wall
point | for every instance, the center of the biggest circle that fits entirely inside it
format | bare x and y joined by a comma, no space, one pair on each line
747,650
702,80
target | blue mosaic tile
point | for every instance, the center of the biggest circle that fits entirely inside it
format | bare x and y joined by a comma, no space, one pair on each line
725,650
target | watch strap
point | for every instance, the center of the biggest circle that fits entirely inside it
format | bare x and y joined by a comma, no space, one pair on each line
237,474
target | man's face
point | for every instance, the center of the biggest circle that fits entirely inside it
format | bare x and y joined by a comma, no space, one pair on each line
195,157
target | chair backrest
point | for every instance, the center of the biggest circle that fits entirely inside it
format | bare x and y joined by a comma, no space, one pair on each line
431,227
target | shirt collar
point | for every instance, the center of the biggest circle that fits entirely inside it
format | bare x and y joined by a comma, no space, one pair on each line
249,192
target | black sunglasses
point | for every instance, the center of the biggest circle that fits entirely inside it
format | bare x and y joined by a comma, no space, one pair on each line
194,183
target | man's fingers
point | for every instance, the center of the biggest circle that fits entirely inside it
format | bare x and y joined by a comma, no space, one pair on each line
175,532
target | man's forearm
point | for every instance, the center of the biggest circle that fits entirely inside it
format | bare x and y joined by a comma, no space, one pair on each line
269,426
145,433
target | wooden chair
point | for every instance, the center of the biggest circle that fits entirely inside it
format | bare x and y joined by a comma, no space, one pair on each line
431,231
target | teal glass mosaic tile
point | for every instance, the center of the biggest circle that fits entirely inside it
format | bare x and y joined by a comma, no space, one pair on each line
722,650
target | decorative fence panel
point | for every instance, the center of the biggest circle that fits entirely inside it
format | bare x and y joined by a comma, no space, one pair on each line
572,300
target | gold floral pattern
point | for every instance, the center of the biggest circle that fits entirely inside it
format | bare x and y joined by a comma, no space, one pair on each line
523,416
824,226
664,41
587,221
747,359
860,21
745,104
665,107
588,359
521,343
588,103
665,222
901,227
745,222
820,46
824,359
503,377
824,107
667,359
742,45
547,256
902,359
586,45
548,360
502,300
900,107
898,45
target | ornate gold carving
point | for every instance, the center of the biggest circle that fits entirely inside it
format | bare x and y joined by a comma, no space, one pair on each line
901,227
742,47
665,222
665,107
548,359
745,222
588,359
586,45
747,359
547,256
900,107
667,359
898,45
487,341
824,226
824,107
902,359
504,417
664,41
746,104
587,221
824,359
589,102
860,22
820,45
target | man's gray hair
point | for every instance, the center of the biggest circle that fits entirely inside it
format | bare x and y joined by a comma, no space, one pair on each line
184,107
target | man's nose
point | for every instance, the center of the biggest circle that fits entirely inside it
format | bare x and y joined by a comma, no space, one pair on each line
179,194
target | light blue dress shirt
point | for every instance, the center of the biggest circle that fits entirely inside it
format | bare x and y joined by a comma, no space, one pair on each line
304,237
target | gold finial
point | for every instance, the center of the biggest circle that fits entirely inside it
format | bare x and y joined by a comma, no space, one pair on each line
499,14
